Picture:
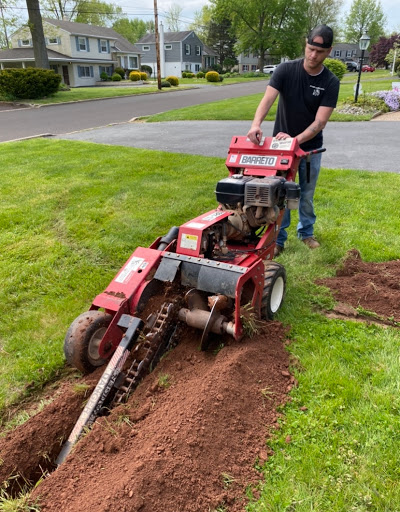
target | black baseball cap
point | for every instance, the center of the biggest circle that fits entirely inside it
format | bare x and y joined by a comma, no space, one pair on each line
321,31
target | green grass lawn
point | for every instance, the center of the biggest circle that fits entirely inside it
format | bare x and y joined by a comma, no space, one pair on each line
243,109
73,212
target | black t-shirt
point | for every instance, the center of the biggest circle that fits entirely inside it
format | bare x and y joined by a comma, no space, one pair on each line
300,96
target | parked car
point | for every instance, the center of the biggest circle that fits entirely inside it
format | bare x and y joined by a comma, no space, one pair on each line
352,66
366,67
268,70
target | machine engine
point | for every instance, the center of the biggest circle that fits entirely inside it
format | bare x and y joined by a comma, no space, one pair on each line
254,201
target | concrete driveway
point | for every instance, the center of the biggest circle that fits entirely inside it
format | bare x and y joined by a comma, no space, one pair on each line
358,145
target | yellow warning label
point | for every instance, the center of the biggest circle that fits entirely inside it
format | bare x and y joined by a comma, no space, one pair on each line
189,241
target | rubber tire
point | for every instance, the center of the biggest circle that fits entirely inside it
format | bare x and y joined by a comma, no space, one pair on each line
82,339
274,290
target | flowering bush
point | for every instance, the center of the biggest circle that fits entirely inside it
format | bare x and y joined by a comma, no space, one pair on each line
391,98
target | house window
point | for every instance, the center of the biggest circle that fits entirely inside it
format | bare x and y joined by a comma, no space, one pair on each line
103,46
168,47
187,67
198,50
25,42
85,71
54,67
253,67
187,49
53,40
245,67
104,69
197,67
348,53
133,62
337,53
82,44
146,48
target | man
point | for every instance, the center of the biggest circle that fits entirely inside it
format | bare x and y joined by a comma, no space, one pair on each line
308,93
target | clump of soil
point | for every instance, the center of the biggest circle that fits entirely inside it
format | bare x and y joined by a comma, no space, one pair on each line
188,438
374,287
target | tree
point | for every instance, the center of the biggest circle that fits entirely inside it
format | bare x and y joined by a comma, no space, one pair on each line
8,21
323,12
38,41
172,16
380,50
132,30
274,26
222,40
364,16
93,12
201,24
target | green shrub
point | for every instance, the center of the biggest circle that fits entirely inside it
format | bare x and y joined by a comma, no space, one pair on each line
143,75
184,74
173,80
200,74
103,75
165,83
134,76
212,76
146,69
221,78
116,77
190,75
337,67
120,71
28,83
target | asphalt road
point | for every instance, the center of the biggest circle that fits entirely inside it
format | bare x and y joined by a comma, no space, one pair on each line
369,146
66,118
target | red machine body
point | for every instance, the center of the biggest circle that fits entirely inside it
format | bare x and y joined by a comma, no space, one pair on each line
238,274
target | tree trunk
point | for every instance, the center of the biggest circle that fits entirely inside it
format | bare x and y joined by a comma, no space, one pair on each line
38,40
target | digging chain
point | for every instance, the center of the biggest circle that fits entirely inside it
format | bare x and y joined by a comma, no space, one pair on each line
147,351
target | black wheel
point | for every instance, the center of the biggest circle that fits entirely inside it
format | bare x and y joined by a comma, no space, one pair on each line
274,289
82,341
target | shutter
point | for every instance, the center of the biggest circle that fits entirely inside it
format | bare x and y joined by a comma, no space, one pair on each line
19,42
91,71
87,45
79,71
77,44
98,41
58,40
108,46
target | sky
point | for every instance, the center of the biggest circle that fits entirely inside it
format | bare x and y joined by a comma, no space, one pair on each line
391,8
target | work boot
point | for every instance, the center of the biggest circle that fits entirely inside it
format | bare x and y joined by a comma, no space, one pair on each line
311,242
278,250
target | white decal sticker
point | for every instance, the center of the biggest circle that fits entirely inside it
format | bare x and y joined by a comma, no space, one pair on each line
189,241
195,225
213,216
281,144
232,159
261,160
132,266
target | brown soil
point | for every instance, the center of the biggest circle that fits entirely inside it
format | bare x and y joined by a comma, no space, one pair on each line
189,445
374,287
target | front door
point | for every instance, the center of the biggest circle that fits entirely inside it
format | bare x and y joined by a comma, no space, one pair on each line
65,75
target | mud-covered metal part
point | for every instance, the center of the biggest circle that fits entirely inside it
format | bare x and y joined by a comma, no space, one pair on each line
106,383
160,329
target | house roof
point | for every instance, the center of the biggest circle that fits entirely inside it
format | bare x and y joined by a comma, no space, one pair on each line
82,29
209,51
24,54
169,37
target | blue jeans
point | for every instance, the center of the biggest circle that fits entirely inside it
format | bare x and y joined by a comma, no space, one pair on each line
307,217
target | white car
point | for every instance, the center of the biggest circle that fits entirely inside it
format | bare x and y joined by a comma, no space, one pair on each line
268,70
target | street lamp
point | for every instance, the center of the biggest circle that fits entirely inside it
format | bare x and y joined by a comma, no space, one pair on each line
364,43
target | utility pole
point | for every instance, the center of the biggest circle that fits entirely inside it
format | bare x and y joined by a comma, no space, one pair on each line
157,45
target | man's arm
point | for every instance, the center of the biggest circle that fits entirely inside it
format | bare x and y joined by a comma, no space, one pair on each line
321,118
255,132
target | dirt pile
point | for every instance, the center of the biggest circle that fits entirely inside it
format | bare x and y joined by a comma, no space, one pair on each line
188,439
374,287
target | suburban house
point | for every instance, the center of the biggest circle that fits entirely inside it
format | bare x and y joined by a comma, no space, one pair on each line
209,57
77,51
348,51
179,51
